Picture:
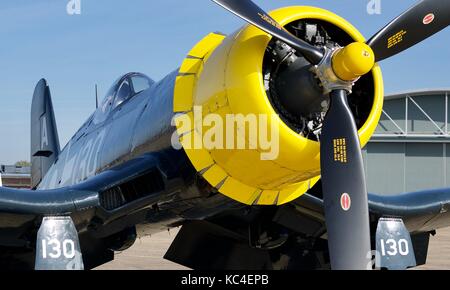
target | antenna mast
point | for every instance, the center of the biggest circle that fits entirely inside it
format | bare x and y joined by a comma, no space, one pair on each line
96,96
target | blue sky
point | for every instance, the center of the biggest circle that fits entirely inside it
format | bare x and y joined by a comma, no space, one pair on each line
112,37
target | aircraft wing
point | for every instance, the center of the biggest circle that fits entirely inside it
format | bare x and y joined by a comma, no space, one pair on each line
422,211
99,211
104,203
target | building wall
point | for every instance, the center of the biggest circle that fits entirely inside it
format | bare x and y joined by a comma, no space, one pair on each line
16,181
15,177
404,167
411,148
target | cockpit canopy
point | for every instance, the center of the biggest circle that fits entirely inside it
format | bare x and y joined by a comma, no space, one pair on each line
122,90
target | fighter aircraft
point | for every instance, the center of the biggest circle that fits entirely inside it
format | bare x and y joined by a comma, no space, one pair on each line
131,169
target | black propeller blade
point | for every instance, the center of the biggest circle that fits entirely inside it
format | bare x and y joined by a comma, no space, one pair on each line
415,25
253,14
344,188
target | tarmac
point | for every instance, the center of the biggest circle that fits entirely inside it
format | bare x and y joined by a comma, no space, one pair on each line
439,251
147,254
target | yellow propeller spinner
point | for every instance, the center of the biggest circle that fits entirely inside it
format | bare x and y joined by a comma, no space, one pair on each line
353,61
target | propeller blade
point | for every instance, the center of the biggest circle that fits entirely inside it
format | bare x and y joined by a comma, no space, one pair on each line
344,188
415,25
250,12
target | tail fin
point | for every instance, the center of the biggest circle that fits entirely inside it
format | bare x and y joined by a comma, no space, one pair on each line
44,134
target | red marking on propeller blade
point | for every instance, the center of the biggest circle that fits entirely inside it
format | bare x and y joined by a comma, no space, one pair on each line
428,19
346,202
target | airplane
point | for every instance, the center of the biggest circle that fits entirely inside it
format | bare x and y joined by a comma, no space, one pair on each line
131,170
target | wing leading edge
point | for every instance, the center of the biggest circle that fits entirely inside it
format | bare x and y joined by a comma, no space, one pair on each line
89,204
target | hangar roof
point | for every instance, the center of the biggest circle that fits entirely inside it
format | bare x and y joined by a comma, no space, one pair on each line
400,95
415,116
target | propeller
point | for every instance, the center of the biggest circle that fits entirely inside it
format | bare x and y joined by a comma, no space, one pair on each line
253,14
343,178
344,188
415,25
423,20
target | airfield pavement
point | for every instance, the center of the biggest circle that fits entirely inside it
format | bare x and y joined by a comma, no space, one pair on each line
147,254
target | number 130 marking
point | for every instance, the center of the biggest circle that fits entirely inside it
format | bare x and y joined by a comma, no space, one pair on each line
392,247
67,248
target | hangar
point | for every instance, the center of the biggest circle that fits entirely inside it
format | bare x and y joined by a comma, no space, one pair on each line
411,148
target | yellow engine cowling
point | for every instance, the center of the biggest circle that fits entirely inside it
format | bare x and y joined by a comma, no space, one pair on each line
222,76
